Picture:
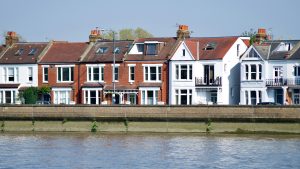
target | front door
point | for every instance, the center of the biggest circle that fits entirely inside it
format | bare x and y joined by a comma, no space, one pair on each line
279,96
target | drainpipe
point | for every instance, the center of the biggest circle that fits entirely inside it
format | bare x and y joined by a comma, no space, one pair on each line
197,50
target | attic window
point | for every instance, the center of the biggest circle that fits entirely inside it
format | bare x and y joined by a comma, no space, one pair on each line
151,49
19,52
102,50
252,54
210,46
32,51
117,50
140,48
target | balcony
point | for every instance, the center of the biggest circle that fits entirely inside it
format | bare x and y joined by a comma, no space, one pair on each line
283,82
200,81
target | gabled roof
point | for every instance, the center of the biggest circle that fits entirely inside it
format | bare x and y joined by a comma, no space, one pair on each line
220,46
25,52
267,50
163,54
93,56
64,52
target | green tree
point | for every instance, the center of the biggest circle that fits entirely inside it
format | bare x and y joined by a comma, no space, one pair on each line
250,34
30,95
127,34
141,33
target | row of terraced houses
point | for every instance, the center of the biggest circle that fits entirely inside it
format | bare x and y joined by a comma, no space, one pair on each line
179,70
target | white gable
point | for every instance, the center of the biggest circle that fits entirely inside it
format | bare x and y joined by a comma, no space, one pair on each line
182,53
251,54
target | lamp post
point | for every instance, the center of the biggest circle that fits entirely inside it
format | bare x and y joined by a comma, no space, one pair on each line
114,63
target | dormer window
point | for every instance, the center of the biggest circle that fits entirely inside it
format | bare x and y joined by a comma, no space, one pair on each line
19,52
32,51
140,48
210,46
252,54
151,49
102,50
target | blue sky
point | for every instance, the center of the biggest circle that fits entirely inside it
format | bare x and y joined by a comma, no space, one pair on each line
72,20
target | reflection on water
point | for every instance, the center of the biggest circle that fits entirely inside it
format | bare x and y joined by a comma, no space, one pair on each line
84,150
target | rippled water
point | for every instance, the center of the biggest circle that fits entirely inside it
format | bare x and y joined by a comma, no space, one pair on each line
84,150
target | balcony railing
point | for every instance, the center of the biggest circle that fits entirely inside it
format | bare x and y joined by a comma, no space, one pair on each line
200,81
283,82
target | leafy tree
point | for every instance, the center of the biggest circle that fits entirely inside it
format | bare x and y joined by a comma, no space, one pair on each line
141,33
30,95
250,34
127,34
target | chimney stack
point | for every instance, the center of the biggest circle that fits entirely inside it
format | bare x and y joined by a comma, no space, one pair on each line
11,38
95,35
183,32
261,35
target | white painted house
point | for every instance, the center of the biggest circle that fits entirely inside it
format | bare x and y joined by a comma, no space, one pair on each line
206,71
270,72
18,69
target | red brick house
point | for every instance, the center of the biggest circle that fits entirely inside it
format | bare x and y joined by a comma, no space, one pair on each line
96,68
59,69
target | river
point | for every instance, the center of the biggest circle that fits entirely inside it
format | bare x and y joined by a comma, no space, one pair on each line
120,150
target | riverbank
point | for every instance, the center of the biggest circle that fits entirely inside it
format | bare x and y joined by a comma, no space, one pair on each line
159,127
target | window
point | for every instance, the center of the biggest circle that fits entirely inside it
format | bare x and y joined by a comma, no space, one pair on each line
131,73
214,96
238,49
253,72
32,51
91,96
259,97
183,72
116,75
252,54
132,98
151,49
253,97
296,96
149,97
95,73
30,72
65,74
183,52
11,74
102,50
45,74
297,71
62,96
19,52
183,96
8,96
140,48
247,97
152,73
210,46
117,50
247,72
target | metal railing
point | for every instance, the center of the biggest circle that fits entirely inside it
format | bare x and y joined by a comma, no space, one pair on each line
283,82
200,81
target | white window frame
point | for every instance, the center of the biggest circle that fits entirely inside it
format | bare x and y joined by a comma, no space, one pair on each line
178,76
178,94
88,96
101,74
70,74
57,93
149,74
258,72
114,73
30,74
15,74
45,67
129,73
155,95
13,99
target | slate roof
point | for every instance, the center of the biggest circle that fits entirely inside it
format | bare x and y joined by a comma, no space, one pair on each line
20,53
93,56
92,84
221,47
10,85
163,54
267,50
64,52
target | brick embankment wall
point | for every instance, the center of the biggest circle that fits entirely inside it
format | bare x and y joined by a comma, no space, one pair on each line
152,113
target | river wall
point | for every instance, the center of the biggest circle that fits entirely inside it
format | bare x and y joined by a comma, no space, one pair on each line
152,113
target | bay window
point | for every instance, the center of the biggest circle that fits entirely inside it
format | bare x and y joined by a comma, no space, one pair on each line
62,96
183,72
149,96
183,96
253,72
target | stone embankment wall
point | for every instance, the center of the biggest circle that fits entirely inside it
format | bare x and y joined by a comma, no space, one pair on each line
152,113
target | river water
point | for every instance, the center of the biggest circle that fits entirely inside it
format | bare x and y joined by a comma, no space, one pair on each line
119,150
